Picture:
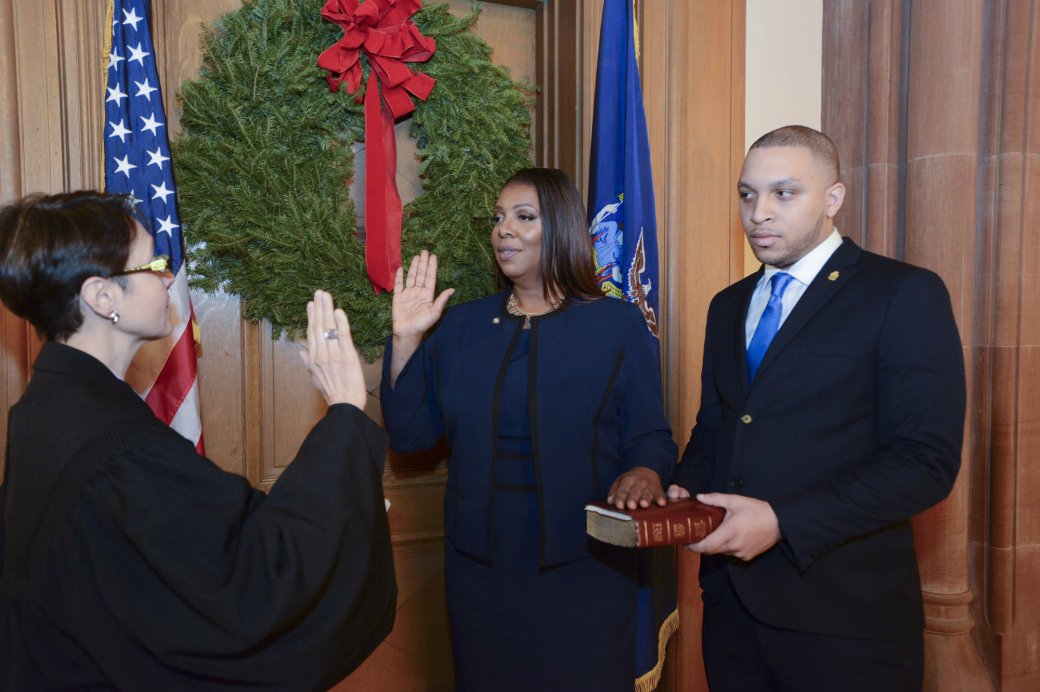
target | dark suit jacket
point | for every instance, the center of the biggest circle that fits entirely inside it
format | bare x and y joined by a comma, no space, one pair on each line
595,407
852,425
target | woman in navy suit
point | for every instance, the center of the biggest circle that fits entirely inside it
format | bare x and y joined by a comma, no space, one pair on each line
549,395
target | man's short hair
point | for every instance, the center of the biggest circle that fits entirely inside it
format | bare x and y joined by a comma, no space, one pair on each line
819,144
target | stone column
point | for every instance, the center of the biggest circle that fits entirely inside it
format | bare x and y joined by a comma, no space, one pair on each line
943,86
902,85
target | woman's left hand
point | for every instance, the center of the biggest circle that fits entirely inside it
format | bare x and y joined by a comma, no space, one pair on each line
639,487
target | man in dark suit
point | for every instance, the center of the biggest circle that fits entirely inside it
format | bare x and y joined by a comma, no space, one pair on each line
832,410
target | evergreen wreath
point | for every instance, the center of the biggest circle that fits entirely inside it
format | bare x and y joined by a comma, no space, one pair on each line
264,164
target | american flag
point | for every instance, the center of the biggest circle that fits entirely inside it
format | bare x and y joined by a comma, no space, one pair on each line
137,163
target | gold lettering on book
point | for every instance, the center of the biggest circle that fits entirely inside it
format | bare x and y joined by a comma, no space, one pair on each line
658,530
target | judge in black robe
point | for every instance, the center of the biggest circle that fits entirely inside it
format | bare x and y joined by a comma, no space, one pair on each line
128,561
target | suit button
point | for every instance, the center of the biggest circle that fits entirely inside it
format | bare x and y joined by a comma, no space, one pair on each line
745,419
736,483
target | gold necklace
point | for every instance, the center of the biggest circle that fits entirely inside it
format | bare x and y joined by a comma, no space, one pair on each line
513,308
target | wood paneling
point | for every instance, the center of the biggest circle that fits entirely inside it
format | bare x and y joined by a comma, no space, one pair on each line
14,361
563,93
693,84
50,118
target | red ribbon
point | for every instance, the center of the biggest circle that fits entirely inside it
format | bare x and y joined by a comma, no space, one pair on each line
382,30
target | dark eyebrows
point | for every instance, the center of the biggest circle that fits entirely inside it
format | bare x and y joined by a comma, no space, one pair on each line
775,185
518,205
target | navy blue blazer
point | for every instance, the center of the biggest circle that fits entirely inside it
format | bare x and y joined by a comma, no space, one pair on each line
596,411
852,425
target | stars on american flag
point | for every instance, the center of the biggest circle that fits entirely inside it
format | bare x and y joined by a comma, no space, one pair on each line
145,89
119,130
115,94
155,158
130,18
161,191
150,124
124,166
167,226
138,55
137,150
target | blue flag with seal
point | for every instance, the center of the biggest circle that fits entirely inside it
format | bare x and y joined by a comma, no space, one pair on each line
623,226
621,189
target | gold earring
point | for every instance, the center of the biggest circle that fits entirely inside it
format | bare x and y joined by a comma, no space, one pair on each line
114,316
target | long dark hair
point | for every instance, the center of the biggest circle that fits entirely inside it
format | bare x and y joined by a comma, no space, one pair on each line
50,245
568,267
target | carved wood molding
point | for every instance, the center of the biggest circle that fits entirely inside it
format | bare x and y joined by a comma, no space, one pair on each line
557,133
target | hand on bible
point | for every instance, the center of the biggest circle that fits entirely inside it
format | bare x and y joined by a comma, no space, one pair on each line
330,355
639,487
414,307
677,492
749,529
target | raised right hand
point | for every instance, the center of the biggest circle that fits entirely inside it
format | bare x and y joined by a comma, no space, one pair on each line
414,308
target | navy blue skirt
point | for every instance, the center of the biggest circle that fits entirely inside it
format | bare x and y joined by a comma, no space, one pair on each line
516,626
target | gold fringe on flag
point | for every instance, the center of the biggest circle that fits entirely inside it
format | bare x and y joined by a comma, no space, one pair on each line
106,49
648,681
635,31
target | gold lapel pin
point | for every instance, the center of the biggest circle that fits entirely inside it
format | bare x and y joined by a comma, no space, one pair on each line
833,276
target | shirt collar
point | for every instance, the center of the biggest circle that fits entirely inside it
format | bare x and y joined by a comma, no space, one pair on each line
806,269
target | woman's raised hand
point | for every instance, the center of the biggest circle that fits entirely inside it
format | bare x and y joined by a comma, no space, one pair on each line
330,356
414,307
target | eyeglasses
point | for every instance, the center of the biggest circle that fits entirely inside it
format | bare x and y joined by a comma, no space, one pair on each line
159,265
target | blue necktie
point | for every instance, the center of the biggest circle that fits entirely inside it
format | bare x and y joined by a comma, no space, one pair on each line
769,323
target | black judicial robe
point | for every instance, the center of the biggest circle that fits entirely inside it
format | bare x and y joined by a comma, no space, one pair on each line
131,562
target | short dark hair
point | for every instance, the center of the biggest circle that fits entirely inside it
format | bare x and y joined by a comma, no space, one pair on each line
821,146
51,244
568,265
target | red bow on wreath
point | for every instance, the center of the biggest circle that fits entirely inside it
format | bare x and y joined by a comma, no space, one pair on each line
382,30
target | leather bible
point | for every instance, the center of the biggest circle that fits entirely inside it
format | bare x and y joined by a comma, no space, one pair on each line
677,523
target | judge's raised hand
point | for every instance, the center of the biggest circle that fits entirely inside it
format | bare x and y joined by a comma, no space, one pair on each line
640,487
330,355
414,308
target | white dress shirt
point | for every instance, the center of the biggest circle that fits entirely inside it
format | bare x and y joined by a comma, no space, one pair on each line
803,271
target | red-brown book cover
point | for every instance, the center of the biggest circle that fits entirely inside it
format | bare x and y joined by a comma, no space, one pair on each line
677,523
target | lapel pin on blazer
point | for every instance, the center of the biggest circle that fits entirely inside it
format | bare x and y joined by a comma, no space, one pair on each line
496,320
833,276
